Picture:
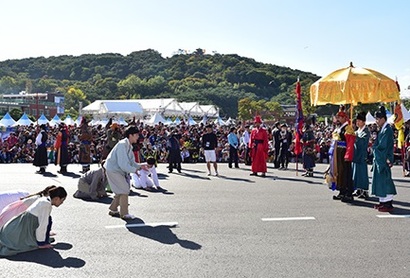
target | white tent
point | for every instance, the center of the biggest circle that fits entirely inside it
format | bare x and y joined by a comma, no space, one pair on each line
155,119
168,121
7,120
42,120
230,121
191,121
68,120
204,120
55,120
128,108
165,106
370,119
192,109
210,110
121,121
219,121
177,121
24,120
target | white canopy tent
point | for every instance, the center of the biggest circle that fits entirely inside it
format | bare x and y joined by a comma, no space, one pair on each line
177,121
69,121
165,106
168,121
156,119
192,109
191,121
23,121
107,108
42,120
370,119
219,121
55,121
210,110
7,120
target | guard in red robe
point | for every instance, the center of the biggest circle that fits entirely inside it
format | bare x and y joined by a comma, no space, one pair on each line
343,140
258,144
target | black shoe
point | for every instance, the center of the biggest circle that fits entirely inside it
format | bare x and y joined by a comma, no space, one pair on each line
347,199
230,166
338,197
263,175
253,174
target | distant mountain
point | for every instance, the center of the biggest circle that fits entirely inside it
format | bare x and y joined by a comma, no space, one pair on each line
220,79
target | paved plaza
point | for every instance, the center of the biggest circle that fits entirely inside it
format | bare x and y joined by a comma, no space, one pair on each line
233,225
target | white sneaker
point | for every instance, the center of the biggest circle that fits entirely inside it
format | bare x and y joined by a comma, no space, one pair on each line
128,217
216,173
209,173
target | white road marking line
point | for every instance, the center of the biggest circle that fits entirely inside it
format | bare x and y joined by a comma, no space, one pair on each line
141,225
392,216
289,218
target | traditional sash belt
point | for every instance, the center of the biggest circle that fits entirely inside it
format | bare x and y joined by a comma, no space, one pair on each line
341,144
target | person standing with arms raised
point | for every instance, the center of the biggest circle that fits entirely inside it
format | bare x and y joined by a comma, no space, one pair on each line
259,146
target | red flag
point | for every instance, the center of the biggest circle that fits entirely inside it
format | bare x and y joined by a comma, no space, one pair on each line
299,119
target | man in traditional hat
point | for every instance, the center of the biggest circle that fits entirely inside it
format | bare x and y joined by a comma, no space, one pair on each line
259,146
343,137
382,182
40,156
360,175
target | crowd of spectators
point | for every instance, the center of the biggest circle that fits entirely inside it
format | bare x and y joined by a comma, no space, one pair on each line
17,146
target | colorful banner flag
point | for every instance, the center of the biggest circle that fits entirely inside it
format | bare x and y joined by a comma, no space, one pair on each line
399,124
299,120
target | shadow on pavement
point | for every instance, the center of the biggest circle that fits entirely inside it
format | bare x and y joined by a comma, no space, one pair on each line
235,179
71,174
192,176
162,234
49,257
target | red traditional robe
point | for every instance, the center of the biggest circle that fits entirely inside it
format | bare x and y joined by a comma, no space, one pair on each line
258,144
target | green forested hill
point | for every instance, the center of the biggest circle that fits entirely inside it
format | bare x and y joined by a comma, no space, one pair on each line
220,79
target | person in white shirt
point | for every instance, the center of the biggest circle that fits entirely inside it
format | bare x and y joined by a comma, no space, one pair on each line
31,229
147,178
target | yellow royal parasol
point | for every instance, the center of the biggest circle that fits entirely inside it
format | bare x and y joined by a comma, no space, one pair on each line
353,85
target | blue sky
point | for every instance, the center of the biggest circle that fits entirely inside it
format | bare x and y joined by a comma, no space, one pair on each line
315,36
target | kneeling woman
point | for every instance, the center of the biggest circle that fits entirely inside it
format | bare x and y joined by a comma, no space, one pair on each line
31,229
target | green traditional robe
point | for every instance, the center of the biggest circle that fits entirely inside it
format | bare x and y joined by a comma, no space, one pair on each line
382,183
360,174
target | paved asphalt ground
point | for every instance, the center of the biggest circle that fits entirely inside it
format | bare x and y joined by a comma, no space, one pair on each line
218,227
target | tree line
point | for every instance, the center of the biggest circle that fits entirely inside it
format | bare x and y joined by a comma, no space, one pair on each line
235,84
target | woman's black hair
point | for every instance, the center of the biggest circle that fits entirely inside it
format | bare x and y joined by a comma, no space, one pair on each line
57,192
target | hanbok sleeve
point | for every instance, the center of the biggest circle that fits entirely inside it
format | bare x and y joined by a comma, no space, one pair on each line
42,209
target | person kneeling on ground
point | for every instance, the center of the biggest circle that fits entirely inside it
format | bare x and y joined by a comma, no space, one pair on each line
92,184
147,178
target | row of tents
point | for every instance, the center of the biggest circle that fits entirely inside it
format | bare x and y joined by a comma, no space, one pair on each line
8,121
